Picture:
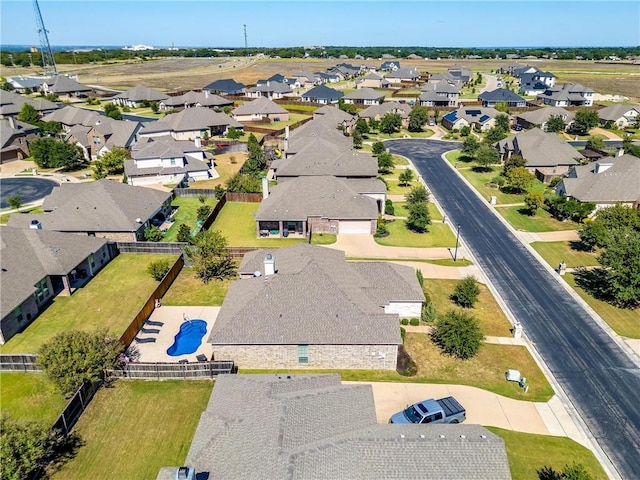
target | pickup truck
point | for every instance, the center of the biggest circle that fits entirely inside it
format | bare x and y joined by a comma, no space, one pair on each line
444,410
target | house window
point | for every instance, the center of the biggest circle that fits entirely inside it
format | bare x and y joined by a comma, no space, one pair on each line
42,290
18,313
303,353
172,162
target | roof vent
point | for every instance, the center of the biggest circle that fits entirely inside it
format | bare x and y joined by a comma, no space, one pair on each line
35,225
138,220
441,436
257,273
463,436
401,436
483,436
422,436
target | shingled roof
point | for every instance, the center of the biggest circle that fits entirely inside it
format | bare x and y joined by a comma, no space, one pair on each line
11,103
190,119
69,116
541,115
540,149
140,93
261,105
321,127
322,92
333,113
381,110
64,84
303,427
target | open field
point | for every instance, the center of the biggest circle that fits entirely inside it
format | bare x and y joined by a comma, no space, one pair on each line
194,73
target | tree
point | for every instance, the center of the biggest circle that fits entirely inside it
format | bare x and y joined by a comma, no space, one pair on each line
218,191
362,126
494,135
349,108
470,146
184,233
357,139
487,156
465,131
390,123
533,201
405,177
418,219
502,122
158,268
458,333
153,234
6,86
555,124
210,256
385,163
28,114
243,183
502,107
466,292
51,153
595,142
73,357
513,161
155,107
418,118
576,471
51,128
596,233
374,124
520,179
584,120
14,202
621,262
233,133
378,148
111,110
203,212
110,163
256,159
418,194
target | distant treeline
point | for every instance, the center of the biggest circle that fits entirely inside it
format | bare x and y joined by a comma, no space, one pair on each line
27,58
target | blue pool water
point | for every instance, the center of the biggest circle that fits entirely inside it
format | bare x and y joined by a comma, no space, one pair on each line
189,338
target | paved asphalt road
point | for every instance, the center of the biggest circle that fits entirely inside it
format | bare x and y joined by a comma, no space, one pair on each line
29,189
597,376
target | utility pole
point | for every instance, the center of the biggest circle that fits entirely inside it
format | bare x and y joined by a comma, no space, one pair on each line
246,45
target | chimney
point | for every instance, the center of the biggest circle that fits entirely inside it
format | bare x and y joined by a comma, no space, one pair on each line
35,225
265,188
198,142
620,152
269,265
12,122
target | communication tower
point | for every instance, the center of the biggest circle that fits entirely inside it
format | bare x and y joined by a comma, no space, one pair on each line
48,62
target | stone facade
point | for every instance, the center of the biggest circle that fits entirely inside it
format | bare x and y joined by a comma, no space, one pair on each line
10,324
361,357
322,225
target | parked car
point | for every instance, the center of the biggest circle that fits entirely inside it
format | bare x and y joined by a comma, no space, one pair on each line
444,410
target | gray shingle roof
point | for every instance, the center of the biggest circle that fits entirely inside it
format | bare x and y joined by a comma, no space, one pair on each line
260,105
11,103
69,115
615,112
321,127
501,95
225,85
64,84
27,256
404,73
540,149
8,133
190,119
322,92
336,115
270,87
313,427
140,93
365,94
102,206
204,99
541,115
372,111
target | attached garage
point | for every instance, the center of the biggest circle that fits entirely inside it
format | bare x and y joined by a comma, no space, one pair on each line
360,227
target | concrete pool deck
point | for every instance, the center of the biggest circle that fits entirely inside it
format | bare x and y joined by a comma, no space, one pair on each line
171,318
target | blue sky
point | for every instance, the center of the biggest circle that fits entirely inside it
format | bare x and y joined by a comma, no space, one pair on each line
280,23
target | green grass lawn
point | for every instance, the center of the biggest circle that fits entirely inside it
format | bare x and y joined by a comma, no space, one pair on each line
227,165
187,289
623,321
541,222
323,238
556,252
400,209
486,310
237,222
293,118
187,212
109,300
439,235
4,218
30,396
485,371
399,160
528,452
135,428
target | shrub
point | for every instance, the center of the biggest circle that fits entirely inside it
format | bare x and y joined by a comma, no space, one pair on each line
466,292
403,333
14,201
420,277
218,192
419,217
499,180
388,207
554,181
429,313
184,233
458,333
203,212
159,268
404,321
406,365
153,234
414,322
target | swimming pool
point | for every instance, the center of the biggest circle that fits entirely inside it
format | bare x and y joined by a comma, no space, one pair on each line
189,338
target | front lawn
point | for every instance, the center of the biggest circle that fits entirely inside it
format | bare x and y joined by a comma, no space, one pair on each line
400,209
110,300
30,396
528,453
323,238
187,213
237,223
519,219
135,428
439,235
187,289
556,252
486,310
623,321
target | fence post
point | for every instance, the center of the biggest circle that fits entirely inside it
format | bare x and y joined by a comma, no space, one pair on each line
80,397
64,422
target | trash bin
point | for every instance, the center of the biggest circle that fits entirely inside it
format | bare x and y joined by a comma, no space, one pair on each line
285,232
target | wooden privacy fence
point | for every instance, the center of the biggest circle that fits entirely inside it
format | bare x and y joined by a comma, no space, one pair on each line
161,248
76,406
244,197
146,311
193,192
18,363
165,370
214,213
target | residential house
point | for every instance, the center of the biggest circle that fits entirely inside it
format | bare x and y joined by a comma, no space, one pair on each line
309,308
24,84
546,154
378,111
136,96
67,87
260,110
225,86
305,79
14,139
321,127
403,75
364,96
270,90
344,70
194,99
327,77
315,427
322,94
443,77
539,117
11,104
191,123
163,160
372,80
389,66
343,120
607,182
620,116
567,95
105,209
464,74
501,96
439,94
69,116
532,84
37,266
481,118
102,136
413,56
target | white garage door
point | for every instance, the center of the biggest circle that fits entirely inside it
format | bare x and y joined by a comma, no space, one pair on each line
354,227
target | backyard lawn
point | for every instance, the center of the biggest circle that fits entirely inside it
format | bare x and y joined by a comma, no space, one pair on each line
487,311
225,168
556,252
529,452
30,396
623,321
135,428
189,290
109,300
187,212
519,219
237,223
439,235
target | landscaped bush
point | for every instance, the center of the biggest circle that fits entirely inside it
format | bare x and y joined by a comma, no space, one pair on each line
458,334
159,268
405,366
388,207
403,333
414,322
466,292
153,234
404,321
203,212
499,180
420,278
429,313
218,192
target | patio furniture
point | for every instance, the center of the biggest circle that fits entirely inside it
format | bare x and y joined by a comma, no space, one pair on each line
144,340
202,358
183,361
154,323
150,330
